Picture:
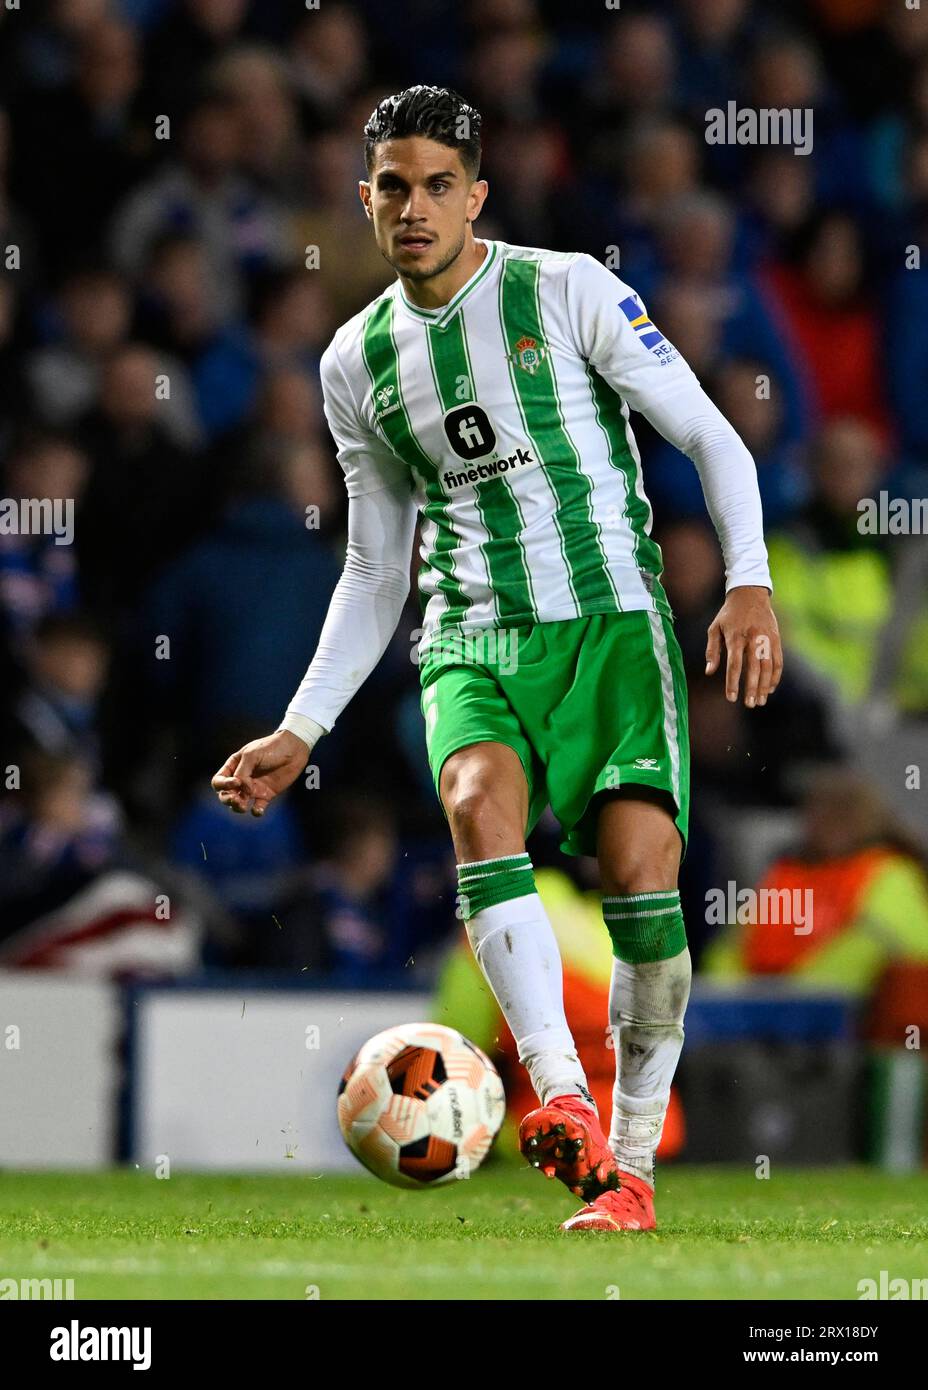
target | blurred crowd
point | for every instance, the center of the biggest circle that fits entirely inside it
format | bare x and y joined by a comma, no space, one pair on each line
180,235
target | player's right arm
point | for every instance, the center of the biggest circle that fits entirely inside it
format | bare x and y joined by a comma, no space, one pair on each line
363,613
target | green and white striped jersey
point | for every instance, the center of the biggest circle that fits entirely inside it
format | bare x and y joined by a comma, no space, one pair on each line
506,411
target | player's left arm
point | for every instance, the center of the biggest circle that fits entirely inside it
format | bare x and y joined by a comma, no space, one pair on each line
616,336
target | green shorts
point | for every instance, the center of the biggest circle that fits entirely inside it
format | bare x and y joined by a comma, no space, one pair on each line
589,705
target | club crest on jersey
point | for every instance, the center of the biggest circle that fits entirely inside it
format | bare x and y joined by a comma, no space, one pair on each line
528,355
383,398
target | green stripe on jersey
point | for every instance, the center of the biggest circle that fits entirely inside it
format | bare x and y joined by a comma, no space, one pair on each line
382,362
581,541
637,511
493,497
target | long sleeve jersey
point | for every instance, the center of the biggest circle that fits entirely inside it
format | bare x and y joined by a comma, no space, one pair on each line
502,419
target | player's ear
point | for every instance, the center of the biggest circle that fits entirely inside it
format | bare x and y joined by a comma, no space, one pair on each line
476,198
364,193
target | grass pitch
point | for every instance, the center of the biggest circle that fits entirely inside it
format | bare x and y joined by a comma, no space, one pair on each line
808,1234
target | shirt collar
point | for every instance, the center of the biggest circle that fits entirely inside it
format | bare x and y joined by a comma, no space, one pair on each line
444,312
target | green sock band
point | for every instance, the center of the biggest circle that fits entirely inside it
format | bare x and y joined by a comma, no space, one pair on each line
490,881
645,926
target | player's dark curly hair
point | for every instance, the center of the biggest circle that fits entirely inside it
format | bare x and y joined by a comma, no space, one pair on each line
438,113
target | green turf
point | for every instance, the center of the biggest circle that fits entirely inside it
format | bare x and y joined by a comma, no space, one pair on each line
723,1234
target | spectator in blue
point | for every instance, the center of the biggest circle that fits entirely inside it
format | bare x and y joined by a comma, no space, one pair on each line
204,194
352,883
715,36
181,313
56,835
779,199
57,708
185,38
79,148
244,607
660,164
787,72
252,867
750,397
339,918
696,246
292,321
38,572
146,496
906,342
87,323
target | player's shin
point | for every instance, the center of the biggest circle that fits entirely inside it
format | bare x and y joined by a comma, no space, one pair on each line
516,949
651,976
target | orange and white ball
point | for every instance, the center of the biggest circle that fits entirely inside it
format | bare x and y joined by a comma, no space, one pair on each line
420,1105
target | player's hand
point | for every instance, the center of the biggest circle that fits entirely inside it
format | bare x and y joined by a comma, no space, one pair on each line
748,627
253,776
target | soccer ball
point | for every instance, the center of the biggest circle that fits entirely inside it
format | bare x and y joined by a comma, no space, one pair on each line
420,1105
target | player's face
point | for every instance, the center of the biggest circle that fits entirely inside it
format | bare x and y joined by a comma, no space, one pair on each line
420,200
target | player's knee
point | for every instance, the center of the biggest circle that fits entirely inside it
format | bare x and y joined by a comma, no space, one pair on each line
473,808
645,866
478,810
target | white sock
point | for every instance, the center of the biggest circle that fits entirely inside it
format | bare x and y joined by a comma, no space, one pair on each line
647,1002
516,949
